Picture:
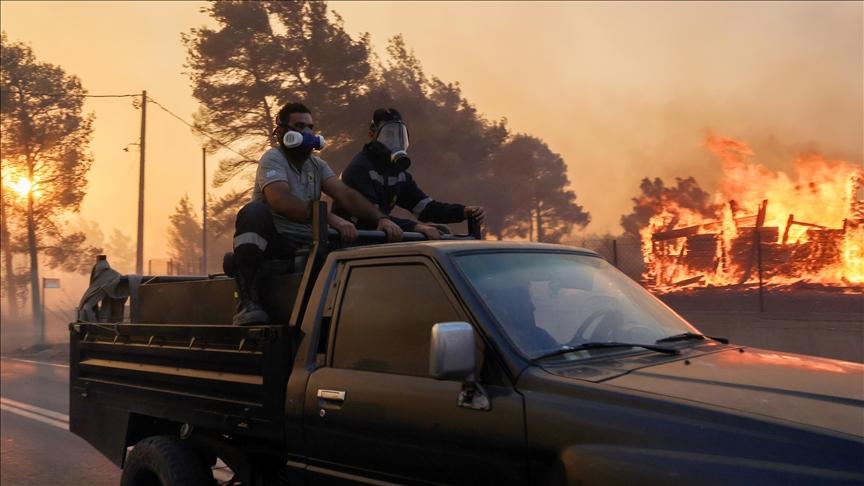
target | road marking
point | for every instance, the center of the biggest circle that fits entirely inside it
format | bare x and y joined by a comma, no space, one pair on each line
221,472
39,418
36,362
34,409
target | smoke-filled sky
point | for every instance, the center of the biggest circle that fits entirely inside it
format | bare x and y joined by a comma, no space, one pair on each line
621,90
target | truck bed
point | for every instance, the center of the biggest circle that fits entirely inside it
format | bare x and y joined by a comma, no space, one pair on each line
211,301
223,378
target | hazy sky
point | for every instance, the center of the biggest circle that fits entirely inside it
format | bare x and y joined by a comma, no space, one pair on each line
620,90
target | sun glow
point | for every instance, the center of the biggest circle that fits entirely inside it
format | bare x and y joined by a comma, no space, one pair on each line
22,187
20,184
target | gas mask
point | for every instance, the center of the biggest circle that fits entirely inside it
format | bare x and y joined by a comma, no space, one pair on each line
394,136
303,142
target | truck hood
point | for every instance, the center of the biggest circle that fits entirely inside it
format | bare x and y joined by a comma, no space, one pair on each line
813,391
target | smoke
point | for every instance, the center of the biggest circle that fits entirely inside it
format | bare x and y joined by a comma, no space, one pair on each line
621,90
630,90
778,79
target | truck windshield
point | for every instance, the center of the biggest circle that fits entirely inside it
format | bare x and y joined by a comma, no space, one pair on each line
546,301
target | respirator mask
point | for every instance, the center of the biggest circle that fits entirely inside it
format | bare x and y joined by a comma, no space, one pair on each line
394,136
302,142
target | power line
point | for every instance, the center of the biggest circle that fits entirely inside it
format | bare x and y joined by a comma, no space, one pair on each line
102,96
149,99
67,95
193,127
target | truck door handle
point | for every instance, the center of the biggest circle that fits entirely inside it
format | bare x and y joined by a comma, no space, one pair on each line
332,395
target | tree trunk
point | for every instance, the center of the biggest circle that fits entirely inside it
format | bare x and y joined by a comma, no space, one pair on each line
35,296
11,284
540,235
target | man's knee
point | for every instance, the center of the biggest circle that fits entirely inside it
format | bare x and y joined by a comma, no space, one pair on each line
253,226
253,213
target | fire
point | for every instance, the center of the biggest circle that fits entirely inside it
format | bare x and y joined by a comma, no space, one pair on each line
810,223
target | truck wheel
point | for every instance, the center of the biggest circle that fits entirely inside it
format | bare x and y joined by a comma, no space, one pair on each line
165,461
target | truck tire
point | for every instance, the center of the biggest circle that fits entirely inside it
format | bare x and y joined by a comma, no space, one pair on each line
165,461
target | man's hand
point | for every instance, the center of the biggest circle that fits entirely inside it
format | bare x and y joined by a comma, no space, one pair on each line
476,212
347,231
430,232
391,229
359,206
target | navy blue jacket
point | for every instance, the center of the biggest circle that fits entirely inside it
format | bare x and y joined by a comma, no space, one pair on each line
387,186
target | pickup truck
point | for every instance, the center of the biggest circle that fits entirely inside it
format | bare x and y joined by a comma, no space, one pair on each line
451,362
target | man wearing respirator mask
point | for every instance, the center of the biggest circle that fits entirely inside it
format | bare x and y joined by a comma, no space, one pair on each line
288,181
380,173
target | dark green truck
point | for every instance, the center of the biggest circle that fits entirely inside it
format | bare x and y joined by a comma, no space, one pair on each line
451,362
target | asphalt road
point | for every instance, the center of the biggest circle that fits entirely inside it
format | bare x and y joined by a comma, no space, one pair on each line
36,447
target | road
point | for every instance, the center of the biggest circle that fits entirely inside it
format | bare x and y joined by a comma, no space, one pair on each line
37,447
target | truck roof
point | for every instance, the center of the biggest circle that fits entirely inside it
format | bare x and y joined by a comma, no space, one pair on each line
443,247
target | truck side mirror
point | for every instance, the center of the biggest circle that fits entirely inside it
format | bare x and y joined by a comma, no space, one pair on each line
451,357
451,351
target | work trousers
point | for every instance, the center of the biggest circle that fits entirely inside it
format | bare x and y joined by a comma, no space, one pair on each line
256,239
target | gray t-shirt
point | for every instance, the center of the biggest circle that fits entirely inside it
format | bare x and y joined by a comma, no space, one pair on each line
305,184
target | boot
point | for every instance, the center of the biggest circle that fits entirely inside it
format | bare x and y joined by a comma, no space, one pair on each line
249,309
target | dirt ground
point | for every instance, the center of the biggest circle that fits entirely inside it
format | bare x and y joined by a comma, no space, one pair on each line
831,335
805,319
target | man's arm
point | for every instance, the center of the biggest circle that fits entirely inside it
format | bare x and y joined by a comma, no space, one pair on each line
357,178
427,209
278,196
351,200
359,206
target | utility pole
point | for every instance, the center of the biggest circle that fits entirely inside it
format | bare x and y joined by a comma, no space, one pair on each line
139,255
204,211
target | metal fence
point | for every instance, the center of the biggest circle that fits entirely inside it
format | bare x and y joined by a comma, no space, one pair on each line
624,252
161,266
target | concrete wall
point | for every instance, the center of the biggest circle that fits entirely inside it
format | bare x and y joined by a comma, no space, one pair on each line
831,335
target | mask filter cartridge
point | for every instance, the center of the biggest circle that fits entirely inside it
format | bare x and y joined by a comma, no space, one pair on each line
293,139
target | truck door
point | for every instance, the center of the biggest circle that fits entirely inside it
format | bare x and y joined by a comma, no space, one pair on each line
373,413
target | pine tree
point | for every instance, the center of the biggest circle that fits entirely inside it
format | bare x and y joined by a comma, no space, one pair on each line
46,158
534,201
184,237
264,54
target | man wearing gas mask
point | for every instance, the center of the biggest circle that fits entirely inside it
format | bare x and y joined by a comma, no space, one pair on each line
380,173
288,181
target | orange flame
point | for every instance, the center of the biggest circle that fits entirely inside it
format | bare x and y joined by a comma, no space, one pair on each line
811,227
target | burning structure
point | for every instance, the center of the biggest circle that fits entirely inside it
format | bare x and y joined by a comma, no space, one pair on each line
767,227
